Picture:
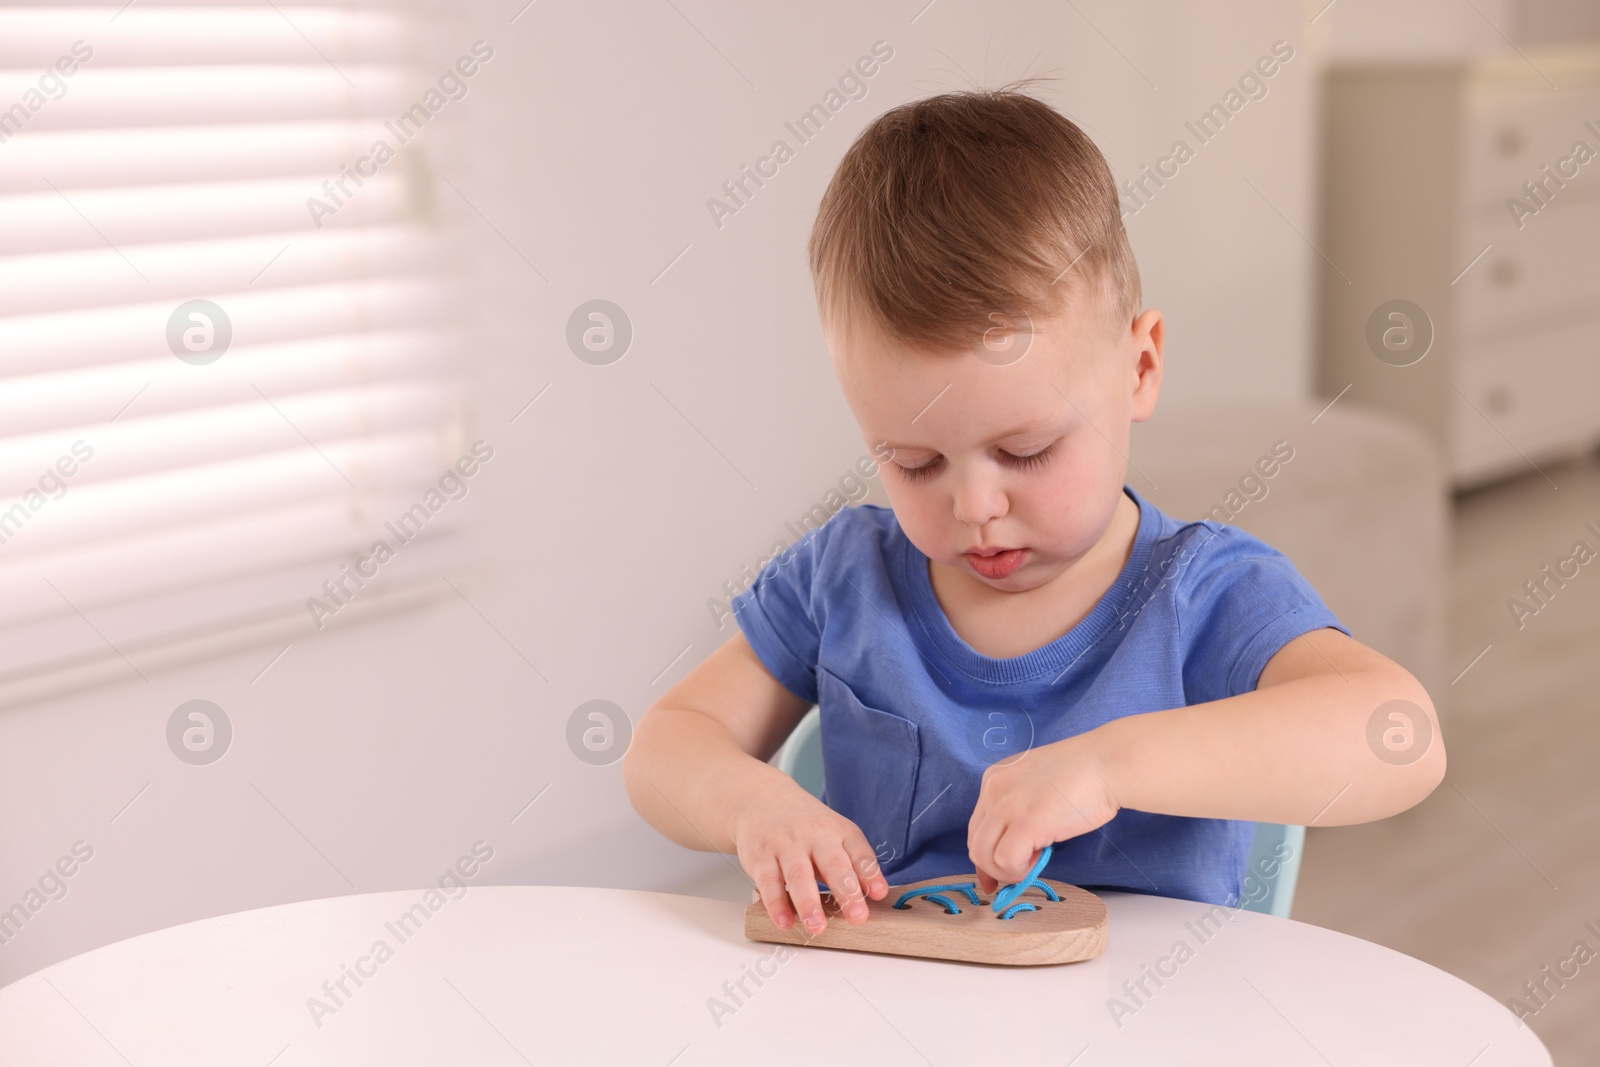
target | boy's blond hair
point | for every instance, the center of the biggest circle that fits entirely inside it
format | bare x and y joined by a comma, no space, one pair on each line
951,209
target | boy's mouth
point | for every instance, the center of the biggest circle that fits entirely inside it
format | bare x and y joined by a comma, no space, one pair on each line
995,563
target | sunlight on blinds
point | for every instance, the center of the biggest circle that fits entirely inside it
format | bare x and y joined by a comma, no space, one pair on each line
216,397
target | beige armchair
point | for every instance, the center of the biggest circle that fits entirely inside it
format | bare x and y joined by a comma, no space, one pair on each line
1361,508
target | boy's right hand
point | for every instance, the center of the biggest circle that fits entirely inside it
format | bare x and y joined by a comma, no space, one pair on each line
788,841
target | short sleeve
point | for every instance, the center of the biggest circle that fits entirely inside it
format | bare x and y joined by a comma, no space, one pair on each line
779,615
1241,601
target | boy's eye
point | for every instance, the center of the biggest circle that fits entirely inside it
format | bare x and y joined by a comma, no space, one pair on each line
1028,462
917,474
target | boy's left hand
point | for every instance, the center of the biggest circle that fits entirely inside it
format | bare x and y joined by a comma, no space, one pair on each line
1048,794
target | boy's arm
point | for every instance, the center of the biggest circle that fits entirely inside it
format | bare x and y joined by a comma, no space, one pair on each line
699,753
1297,749
697,771
1302,747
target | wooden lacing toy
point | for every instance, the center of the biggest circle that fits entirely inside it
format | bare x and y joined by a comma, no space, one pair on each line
1071,928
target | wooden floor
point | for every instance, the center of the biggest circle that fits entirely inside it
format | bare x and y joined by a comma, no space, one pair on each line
1493,877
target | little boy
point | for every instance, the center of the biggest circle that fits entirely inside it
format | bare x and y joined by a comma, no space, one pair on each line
1020,651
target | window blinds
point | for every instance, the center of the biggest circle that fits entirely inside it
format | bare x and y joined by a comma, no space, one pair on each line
211,398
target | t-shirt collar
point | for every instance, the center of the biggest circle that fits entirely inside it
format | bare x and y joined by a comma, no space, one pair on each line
1053,658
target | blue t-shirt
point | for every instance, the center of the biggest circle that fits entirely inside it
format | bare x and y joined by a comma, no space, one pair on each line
911,715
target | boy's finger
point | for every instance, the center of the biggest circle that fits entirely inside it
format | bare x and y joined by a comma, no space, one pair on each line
800,878
983,826
769,883
981,840
974,824
866,865
1014,855
843,884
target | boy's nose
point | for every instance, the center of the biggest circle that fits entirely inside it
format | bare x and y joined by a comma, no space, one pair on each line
978,500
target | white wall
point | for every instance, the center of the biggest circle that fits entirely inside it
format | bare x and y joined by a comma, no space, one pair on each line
1374,30
375,754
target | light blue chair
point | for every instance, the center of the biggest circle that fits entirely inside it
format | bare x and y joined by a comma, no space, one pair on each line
801,759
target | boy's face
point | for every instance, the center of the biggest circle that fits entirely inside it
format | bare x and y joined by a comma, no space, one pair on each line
1027,455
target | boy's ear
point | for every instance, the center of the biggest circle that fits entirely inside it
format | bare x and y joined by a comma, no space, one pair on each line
1145,337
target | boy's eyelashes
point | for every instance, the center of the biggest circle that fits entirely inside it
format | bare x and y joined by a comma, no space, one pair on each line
1028,462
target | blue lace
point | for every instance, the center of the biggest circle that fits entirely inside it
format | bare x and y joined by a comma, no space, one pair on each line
1029,880
930,891
1002,905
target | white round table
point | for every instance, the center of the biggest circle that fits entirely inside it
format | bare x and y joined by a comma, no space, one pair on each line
541,975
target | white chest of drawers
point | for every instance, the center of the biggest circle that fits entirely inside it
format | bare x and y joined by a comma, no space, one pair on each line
1472,190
